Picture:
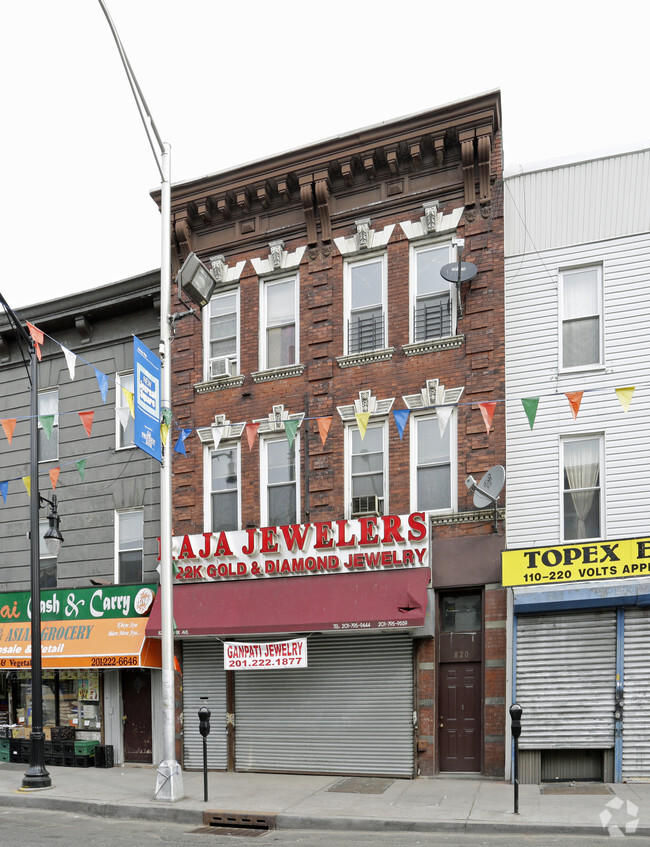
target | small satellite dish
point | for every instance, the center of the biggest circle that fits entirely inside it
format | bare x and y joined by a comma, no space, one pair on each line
486,493
458,272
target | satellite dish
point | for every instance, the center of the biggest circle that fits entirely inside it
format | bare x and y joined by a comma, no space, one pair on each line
486,493
458,272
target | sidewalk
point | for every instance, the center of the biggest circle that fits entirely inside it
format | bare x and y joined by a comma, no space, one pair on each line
448,804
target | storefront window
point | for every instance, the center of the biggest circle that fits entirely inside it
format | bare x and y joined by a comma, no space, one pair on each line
461,613
70,698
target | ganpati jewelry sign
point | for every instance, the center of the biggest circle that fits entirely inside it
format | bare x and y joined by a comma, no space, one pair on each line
239,656
344,546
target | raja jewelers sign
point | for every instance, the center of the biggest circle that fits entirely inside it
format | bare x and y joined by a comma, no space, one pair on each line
256,655
343,546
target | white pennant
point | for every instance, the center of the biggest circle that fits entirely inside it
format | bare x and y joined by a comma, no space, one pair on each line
71,359
217,433
443,413
123,416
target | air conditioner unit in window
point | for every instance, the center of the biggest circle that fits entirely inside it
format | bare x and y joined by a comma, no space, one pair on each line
362,506
222,366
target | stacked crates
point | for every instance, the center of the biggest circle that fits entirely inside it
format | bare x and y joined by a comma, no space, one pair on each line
84,753
104,756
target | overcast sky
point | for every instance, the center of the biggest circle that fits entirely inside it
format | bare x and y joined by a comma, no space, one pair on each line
229,82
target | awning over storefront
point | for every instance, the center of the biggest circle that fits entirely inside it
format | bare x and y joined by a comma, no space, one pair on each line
391,600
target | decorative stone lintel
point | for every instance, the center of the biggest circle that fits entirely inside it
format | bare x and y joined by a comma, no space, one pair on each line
278,373
287,261
365,358
219,384
473,516
426,226
433,344
370,240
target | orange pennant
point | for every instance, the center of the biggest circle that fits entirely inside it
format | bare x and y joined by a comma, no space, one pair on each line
251,433
87,420
487,410
36,333
9,424
574,398
323,428
54,476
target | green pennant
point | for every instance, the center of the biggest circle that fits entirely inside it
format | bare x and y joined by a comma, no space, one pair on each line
530,405
47,422
81,467
291,427
167,417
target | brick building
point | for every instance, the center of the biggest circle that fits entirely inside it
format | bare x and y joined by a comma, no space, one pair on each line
333,393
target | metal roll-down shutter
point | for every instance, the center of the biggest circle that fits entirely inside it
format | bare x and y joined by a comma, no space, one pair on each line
349,712
636,699
204,676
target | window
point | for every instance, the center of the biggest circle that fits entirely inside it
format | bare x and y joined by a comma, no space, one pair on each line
48,405
129,529
48,561
280,323
224,488
581,317
367,468
461,613
431,457
366,305
281,502
434,306
125,436
223,352
582,487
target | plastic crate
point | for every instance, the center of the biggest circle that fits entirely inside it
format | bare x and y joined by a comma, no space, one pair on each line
14,750
68,748
104,756
5,756
4,745
69,761
84,748
84,761
62,733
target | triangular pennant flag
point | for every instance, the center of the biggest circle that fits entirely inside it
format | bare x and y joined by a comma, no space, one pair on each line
251,433
54,476
362,422
102,381
36,333
323,428
4,487
81,467
9,424
177,666
87,421
625,396
574,398
166,416
128,395
401,417
71,360
530,405
217,434
487,410
123,416
47,422
291,428
27,482
180,444
164,432
443,414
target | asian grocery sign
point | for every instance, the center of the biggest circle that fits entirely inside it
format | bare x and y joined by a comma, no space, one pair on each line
343,546
576,562
265,655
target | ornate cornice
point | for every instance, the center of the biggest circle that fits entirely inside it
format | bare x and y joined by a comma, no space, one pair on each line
365,358
278,373
432,345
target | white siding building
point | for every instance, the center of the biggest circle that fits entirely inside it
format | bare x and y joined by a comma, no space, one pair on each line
577,286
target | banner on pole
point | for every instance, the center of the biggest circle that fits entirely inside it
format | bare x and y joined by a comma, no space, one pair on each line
146,371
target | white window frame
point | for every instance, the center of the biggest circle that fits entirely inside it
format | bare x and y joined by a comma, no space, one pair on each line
207,476
54,437
382,258
563,273
264,481
349,430
415,250
600,437
120,403
414,435
265,284
118,517
207,326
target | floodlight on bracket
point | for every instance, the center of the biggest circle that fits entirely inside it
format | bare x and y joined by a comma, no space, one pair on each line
486,492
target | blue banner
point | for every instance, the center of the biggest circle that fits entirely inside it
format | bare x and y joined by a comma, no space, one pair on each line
146,395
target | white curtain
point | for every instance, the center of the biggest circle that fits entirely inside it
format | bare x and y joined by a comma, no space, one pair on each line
581,463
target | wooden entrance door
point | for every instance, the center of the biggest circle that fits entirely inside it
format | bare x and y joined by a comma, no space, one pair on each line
136,704
459,716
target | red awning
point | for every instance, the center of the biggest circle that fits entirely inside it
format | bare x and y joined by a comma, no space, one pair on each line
346,602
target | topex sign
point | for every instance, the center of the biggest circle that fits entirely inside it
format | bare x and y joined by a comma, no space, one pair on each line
239,656
576,562
345,546
80,627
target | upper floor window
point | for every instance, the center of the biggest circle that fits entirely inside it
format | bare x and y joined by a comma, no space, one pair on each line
279,315
48,407
581,292
367,460
582,500
223,335
224,487
47,560
433,300
366,305
433,462
124,435
129,545
280,500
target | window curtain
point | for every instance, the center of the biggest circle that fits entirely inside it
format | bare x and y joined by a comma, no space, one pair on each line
581,465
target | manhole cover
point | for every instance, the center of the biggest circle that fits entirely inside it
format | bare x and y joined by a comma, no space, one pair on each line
574,788
361,785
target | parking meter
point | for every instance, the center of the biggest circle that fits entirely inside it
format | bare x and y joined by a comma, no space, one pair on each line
204,729
204,721
515,720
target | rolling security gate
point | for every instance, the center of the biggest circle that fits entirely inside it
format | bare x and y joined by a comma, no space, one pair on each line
204,676
350,711
636,687
565,683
